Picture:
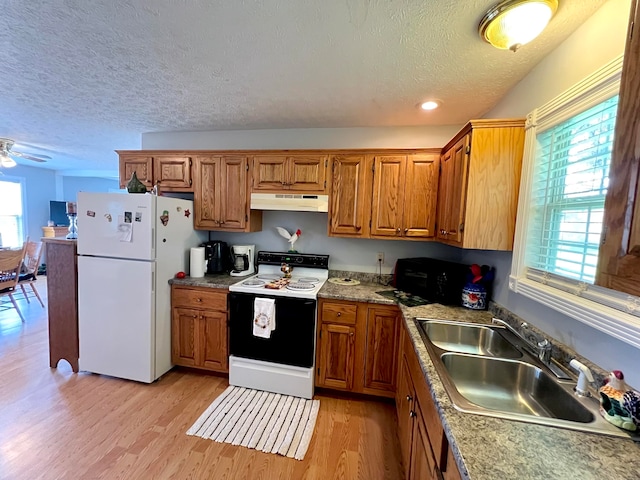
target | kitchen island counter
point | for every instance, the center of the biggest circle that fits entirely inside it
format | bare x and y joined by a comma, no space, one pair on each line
487,448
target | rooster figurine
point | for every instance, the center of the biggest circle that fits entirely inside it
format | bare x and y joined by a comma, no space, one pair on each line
290,238
618,403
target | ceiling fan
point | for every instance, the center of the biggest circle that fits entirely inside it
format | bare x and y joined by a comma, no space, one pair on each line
6,153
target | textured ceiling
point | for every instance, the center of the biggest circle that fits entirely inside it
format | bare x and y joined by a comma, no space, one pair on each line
81,78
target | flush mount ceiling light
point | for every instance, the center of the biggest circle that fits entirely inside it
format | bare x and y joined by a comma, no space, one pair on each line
6,161
513,23
430,105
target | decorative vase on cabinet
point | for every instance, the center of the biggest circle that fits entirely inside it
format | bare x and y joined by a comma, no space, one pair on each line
136,186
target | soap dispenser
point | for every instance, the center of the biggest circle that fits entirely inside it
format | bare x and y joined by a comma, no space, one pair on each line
584,378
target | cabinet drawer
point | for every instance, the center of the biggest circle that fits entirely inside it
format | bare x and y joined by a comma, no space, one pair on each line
339,313
199,297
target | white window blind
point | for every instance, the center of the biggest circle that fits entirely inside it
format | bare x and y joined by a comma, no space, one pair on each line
568,190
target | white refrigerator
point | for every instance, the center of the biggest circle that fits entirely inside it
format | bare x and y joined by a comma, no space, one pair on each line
129,246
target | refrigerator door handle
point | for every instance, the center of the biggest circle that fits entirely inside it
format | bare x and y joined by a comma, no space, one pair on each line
153,282
153,237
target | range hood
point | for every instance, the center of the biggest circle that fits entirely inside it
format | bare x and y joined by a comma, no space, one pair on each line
298,202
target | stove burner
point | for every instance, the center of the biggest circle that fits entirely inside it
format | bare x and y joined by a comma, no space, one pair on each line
254,282
269,277
307,280
301,286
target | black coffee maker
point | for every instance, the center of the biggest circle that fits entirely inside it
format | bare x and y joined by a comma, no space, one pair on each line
216,256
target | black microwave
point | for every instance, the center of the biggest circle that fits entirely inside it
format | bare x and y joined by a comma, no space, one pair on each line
437,281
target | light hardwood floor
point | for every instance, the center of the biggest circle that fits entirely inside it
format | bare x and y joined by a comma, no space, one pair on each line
55,424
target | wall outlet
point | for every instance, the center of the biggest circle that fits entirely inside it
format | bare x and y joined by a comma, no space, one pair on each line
380,257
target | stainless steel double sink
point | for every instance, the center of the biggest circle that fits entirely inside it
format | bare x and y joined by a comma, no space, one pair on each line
487,370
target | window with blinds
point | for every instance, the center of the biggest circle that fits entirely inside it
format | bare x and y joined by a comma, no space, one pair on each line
568,190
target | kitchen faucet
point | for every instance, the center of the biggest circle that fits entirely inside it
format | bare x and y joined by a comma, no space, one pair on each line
542,350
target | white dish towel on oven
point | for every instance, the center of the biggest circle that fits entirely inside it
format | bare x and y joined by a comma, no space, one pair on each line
264,317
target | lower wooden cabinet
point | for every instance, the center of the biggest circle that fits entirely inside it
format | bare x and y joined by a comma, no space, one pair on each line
422,463
426,453
199,336
382,348
337,361
357,347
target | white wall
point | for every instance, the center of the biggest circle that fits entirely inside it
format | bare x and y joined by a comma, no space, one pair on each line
39,188
596,42
599,40
304,138
72,185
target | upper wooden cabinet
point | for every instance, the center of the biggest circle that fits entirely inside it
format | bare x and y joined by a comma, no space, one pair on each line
221,195
350,202
304,173
479,185
453,188
404,195
388,195
619,257
141,164
171,172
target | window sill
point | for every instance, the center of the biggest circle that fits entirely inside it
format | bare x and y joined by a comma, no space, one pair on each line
612,321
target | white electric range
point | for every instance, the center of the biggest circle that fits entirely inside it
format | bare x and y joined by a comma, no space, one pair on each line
284,362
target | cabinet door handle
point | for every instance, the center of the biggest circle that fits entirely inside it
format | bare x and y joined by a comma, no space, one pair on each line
406,230
339,314
409,398
195,316
398,230
351,334
198,299
358,228
412,413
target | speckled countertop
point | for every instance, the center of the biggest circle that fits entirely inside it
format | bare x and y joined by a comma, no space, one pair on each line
489,448
209,281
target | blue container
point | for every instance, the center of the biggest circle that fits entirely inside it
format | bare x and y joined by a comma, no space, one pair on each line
474,296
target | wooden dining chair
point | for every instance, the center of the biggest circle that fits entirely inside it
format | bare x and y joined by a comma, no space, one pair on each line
10,264
29,273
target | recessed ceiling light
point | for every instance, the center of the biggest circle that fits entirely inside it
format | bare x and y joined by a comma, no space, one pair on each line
512,23
430,105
